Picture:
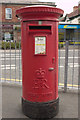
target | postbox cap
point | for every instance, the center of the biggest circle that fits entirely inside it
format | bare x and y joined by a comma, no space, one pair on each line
39,12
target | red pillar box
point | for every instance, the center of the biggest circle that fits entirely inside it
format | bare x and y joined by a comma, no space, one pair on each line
39,26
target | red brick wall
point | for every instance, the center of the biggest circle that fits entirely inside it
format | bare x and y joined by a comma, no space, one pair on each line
75,8
0,13
14,8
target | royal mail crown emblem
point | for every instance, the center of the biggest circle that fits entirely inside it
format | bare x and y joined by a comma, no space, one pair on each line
40,73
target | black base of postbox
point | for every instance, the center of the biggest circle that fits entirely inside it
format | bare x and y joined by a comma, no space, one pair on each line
37,110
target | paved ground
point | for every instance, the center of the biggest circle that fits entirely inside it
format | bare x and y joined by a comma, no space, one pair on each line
11,103
0,101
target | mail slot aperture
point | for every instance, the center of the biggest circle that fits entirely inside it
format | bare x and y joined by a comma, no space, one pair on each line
34,28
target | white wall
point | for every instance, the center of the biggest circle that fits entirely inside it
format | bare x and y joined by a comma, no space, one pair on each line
75,20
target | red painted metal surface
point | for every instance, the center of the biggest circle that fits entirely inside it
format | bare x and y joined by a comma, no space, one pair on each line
40,71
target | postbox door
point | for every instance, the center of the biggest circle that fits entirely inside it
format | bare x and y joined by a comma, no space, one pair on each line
44,82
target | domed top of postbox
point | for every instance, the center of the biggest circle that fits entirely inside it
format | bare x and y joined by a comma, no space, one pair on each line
39,12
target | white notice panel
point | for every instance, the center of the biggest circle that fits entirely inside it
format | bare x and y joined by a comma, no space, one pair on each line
40,45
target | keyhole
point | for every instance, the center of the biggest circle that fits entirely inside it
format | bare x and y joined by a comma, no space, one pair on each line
53,59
